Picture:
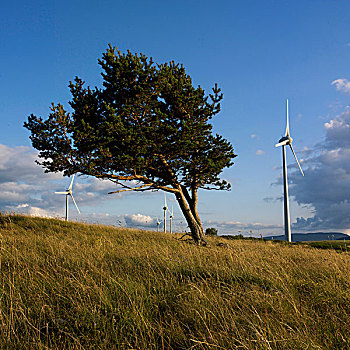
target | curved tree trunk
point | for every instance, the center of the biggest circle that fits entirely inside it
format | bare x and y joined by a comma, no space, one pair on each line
190,212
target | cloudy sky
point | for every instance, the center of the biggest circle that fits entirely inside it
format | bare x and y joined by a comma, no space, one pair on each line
259,52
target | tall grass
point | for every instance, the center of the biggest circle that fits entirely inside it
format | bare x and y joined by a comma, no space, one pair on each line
77,286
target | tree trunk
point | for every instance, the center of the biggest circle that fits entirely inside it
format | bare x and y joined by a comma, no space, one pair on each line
195,226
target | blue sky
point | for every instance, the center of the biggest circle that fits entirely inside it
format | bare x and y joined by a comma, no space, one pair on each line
259,52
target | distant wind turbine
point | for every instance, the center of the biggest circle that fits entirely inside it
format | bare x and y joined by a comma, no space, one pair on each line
68,193
165,208
171,219
286,140
158,224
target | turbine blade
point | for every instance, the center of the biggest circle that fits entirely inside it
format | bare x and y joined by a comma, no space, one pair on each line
287,127
71,183
62,192
283,143
75,203
295,156
165,206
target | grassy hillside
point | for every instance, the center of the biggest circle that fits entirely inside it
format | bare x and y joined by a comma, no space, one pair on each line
75,286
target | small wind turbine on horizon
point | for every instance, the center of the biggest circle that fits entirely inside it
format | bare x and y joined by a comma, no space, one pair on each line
286,140
158,224
165,208
171,219
68,193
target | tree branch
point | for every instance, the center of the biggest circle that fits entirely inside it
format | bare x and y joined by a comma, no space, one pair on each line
139,188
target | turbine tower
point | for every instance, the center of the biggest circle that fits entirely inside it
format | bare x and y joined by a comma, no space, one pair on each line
68,193
158,224
165,208
286,140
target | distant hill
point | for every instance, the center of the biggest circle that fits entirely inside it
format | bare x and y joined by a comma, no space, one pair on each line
313,236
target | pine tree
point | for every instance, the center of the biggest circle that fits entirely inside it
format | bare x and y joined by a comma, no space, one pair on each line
147,128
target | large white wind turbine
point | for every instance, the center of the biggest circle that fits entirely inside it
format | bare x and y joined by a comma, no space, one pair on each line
68,193
286,140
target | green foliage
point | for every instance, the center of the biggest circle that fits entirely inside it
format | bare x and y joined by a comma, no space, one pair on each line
211,231
148,123
74,286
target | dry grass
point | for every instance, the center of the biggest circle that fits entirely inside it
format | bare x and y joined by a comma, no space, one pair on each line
75,286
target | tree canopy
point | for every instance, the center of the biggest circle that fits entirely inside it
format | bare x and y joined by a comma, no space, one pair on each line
147,128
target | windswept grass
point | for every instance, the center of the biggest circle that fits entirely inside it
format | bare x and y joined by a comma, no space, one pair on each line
340,245
76,286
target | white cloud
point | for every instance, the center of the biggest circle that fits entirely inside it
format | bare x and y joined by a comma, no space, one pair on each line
96,185
35,211
25,187
135,220
259,152
27,209
237,227
342,85
253,136
338,131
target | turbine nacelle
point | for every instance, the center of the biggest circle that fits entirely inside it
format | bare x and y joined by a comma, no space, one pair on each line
283,141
